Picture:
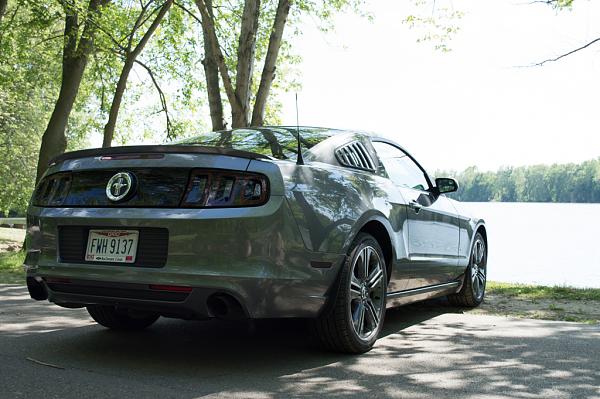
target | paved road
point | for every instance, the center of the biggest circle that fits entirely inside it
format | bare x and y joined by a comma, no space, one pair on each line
425,351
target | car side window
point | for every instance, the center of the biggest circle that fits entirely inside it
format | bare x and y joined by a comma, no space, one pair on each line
399,168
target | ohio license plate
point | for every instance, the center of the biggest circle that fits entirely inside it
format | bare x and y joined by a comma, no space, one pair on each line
112,246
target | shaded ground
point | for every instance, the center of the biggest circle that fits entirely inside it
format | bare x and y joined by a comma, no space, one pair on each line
424,352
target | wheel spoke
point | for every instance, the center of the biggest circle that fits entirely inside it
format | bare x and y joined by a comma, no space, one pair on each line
480,252
375,277
481,277
366,255
354,288
359,318
373,313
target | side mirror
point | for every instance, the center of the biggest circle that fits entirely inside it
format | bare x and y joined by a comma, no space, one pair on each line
445,185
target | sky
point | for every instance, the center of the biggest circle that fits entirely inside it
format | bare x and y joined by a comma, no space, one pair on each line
480,104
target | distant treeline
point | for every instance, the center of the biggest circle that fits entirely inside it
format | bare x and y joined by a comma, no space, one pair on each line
539,183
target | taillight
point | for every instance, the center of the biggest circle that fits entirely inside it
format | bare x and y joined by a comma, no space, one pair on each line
219,189
52,190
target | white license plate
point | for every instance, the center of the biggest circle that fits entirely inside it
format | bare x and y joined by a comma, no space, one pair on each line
112,246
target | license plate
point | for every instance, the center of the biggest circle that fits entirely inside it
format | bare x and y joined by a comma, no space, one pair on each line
112,246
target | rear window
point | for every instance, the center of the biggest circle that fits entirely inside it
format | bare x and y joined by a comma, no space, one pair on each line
276,142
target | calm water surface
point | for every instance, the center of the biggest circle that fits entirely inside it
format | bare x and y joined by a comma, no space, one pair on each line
540,243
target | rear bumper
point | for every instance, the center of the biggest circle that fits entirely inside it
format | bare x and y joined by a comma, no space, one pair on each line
255,255
276,299
195,304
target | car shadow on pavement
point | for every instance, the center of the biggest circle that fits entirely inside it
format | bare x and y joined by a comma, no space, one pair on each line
424,350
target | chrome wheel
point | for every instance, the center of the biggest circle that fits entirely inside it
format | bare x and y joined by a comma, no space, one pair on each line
367,292
478,268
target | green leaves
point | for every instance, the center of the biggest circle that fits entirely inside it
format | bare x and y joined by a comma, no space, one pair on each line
435,23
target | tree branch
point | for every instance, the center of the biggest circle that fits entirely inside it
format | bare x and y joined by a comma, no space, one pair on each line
152,28
567,54
161,94
137,23
188,11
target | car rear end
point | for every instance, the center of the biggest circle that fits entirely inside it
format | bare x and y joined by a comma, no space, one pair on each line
183,231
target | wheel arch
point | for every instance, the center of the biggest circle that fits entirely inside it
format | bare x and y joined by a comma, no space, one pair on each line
482,230
378,227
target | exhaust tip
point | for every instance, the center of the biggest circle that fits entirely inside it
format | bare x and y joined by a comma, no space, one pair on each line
224,306
37,290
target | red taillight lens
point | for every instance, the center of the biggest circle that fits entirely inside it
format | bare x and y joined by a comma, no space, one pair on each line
221,189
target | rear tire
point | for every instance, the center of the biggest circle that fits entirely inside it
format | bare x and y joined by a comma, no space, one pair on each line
110,317
473,289
353,320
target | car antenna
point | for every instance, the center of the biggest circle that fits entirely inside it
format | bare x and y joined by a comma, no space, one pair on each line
299,160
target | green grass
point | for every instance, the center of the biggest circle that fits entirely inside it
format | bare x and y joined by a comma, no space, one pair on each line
533,292
11,267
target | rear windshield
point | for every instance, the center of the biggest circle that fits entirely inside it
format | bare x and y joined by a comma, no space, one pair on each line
276,142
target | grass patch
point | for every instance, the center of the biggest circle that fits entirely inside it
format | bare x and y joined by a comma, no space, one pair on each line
539,292
11,267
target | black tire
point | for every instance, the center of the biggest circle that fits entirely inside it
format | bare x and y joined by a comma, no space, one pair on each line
121,319
472,292
355,305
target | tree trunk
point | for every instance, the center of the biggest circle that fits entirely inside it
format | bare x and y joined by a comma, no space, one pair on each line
109,128
3,5
211,71
75,58
245,61
54,141
208,26
268,73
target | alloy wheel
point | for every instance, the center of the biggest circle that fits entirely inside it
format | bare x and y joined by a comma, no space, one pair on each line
367,292
478,268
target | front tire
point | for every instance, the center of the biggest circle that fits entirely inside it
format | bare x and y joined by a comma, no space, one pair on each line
473,289
117,319
353,321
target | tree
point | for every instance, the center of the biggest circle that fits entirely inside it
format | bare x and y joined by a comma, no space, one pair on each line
537,183
130,52
255,19
77,46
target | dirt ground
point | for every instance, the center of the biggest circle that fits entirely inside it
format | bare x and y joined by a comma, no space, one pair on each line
548,309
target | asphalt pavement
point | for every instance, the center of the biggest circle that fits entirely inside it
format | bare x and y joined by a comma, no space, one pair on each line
427,351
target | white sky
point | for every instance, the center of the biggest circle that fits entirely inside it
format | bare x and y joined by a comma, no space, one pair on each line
471,106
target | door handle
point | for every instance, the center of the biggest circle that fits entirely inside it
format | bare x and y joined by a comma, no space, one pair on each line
415,206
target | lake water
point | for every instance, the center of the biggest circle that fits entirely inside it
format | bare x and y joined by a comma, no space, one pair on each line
542,243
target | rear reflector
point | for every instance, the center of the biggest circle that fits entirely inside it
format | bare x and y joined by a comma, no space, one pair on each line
172,288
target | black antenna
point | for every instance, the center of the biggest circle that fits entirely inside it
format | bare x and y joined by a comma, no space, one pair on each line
299,160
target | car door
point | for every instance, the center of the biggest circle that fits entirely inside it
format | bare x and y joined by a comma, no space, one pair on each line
432,231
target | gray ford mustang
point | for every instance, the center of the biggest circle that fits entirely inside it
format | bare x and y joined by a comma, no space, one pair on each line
269,222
